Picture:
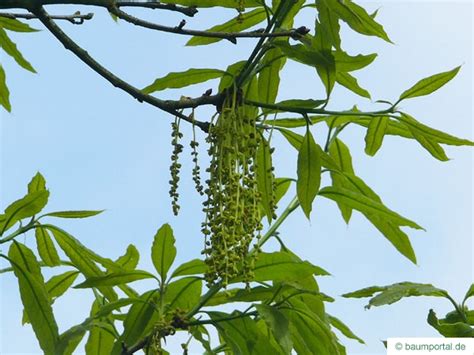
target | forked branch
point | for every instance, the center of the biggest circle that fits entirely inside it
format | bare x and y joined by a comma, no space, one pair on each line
169,106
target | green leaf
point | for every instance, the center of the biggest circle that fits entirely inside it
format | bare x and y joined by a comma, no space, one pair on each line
241,334
282,266
163,251
309,331
26,207
329,23
365,205
469,293
183,293
115,278
454,330
365,292
323,61
258,293
281,187
394,293
129,260
59,284
4,92
431,133
193,267
295,104
15,25
375,134
349,82
389,229
293,138
269,76
11,49
80,257
183,79
237,24
46,248
73,214
140,319
264,174
357,18
233,71
340,153
429,144
347,63
428,85
279,325
100,341
37,183
34,297
309,173
294,122
344,329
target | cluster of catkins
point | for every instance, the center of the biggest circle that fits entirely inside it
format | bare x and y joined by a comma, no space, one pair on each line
232,208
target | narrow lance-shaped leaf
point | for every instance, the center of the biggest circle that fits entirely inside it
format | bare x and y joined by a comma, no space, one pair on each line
115,278
15,25
73,214
357,18
375,134
163,251
26,207
365,205
341,155
469,293
80,257
11,49
265,177
183,79
59,284
278,323
100,341
430,84
34,297
192,267
309,173
344,329
46,248
4,92
351,83
269,76
241,22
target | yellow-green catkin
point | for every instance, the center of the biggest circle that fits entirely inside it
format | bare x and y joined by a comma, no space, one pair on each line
232,207
175,167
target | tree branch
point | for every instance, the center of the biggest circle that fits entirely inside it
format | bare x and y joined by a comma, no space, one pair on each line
169,106
180,30
76,19
26,4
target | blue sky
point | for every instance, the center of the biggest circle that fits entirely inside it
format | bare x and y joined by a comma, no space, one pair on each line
100,149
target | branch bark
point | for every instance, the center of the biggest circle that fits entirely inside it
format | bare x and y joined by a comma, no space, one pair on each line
28,4
180,30
76,18
169,106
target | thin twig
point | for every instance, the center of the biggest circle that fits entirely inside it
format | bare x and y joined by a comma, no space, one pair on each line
169,106
76,19
188,11
26,4
180,30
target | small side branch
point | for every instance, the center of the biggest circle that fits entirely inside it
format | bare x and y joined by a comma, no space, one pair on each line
76,19
230,36
188,11
169,106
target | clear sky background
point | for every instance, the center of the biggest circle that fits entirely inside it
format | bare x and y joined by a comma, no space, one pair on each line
100,149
